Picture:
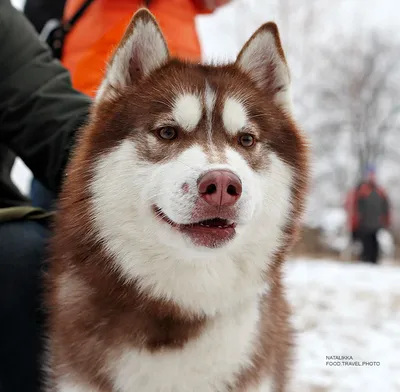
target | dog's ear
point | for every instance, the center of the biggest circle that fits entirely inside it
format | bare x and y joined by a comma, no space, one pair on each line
141,50
263,59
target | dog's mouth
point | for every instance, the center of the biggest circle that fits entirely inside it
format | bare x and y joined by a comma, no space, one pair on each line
210,233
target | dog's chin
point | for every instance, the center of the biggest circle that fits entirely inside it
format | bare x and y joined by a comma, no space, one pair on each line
208,233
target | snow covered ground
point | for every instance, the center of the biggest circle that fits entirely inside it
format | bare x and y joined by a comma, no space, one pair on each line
345,310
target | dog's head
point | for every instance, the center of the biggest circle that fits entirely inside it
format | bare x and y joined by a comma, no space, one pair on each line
195,163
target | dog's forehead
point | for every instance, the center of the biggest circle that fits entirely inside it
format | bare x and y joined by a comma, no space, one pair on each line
194,94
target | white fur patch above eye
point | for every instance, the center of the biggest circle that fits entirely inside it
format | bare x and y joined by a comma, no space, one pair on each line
187,111
234,116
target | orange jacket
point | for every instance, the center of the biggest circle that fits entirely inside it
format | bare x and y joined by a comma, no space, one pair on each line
91,41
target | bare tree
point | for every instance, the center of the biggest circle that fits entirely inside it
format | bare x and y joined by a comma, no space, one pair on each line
360,95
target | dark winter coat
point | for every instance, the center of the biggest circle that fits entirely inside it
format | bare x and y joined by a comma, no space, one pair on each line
368,208
39,12
40,112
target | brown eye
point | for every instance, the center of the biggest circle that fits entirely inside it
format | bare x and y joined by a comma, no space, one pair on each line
247,140
167,133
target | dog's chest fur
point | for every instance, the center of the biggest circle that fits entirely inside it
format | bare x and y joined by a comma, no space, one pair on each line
210,362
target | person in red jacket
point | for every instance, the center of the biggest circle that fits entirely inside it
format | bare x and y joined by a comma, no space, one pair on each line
368,211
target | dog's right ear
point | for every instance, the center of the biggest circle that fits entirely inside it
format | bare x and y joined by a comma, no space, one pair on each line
141,50
262,58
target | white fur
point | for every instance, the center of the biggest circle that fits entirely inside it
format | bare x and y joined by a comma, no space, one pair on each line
73,386
234,116
266,386
204,364
70,288
144,49
262,55
187,111
168,265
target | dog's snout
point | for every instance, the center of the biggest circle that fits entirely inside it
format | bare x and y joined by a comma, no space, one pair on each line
220,187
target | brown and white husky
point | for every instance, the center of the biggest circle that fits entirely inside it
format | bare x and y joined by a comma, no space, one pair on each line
180,205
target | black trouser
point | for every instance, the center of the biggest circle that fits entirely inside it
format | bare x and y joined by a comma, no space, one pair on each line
22,254
370,247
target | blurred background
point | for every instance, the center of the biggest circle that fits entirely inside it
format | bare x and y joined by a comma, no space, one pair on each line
344,57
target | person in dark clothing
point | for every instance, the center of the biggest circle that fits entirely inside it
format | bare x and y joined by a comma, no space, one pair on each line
40,114
368,212
370,247
39,13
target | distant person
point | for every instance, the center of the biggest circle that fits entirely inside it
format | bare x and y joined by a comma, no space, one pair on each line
368,212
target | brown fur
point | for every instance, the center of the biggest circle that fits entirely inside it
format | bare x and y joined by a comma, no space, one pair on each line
100,312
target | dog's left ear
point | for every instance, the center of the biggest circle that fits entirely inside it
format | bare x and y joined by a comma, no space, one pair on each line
141,50
263,59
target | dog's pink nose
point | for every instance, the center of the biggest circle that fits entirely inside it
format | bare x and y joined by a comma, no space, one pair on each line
220,187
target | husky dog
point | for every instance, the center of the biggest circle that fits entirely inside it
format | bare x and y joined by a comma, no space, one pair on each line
179,207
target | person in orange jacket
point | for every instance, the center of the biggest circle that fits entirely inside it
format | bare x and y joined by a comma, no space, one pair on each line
92,39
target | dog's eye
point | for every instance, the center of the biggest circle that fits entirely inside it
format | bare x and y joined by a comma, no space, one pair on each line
247,140
167,133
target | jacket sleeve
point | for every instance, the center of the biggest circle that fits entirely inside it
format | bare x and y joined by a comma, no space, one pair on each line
39,110
350,208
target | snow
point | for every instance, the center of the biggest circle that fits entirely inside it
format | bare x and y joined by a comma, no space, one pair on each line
345,310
